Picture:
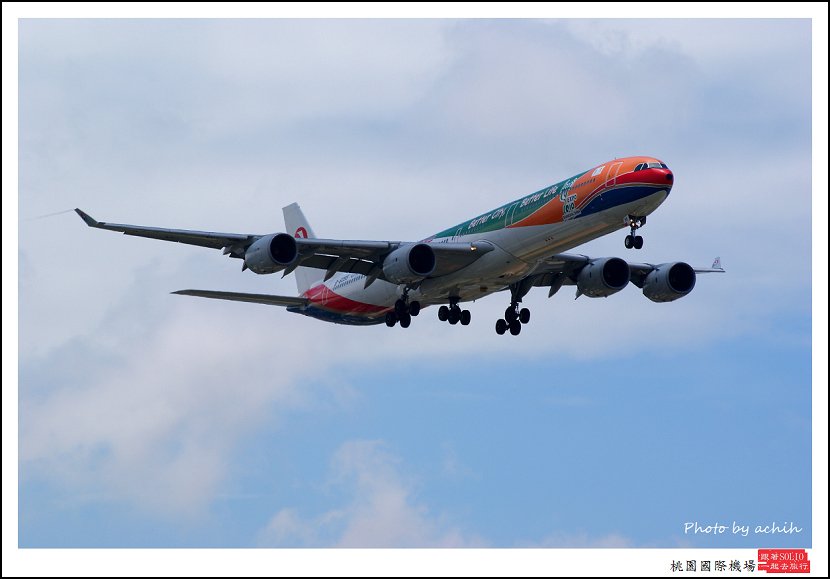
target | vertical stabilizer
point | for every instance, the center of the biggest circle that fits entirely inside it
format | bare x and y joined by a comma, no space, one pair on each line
297,225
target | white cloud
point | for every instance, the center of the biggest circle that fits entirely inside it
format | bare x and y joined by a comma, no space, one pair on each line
721,43
382,508
152,415
226,78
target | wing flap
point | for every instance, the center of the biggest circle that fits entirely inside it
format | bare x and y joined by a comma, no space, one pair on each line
346,248
333,263
366,257
451,257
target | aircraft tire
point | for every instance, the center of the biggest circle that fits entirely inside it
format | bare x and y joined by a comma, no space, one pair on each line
443,313
501,327
515,327
400,308
455,316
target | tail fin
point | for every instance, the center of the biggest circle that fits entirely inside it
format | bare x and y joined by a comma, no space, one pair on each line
297,225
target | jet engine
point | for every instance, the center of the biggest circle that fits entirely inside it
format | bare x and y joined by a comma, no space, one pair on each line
669,281
271,253
603,277
409,264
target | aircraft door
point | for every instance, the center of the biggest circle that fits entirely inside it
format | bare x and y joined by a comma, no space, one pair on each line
612,174
508,220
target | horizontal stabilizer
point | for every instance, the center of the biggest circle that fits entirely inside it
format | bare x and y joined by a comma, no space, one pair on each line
284,301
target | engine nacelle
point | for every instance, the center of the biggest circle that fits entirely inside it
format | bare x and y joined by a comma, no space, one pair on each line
669,281
409,264
271,253
603,277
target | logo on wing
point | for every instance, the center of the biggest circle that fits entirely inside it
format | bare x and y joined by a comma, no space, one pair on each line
301,233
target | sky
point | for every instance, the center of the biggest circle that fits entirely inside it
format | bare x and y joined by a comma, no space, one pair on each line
154,420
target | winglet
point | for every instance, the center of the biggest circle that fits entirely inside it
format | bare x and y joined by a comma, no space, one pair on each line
87,219
716,268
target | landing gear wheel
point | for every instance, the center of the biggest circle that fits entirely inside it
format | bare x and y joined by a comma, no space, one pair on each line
638,242
391,319
405,320
414,308
515,327
400,308
465,318
629,241
443,313
455,315
510,314
524,315
501,327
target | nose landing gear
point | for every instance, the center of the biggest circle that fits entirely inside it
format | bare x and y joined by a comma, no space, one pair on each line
632,240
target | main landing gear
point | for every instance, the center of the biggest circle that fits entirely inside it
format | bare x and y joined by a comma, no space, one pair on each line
513,320
404,312
454,314
631,240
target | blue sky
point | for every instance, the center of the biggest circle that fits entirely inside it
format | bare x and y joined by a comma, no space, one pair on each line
147,419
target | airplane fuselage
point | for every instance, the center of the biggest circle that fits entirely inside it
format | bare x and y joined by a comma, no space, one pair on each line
523,233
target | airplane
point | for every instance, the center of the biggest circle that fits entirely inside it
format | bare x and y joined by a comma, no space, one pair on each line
515,247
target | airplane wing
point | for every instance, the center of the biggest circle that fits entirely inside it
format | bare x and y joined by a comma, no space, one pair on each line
201,238
562,269
331,255
271,300
366,257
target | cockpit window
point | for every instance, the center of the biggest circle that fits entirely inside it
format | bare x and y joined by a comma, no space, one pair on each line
651,165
